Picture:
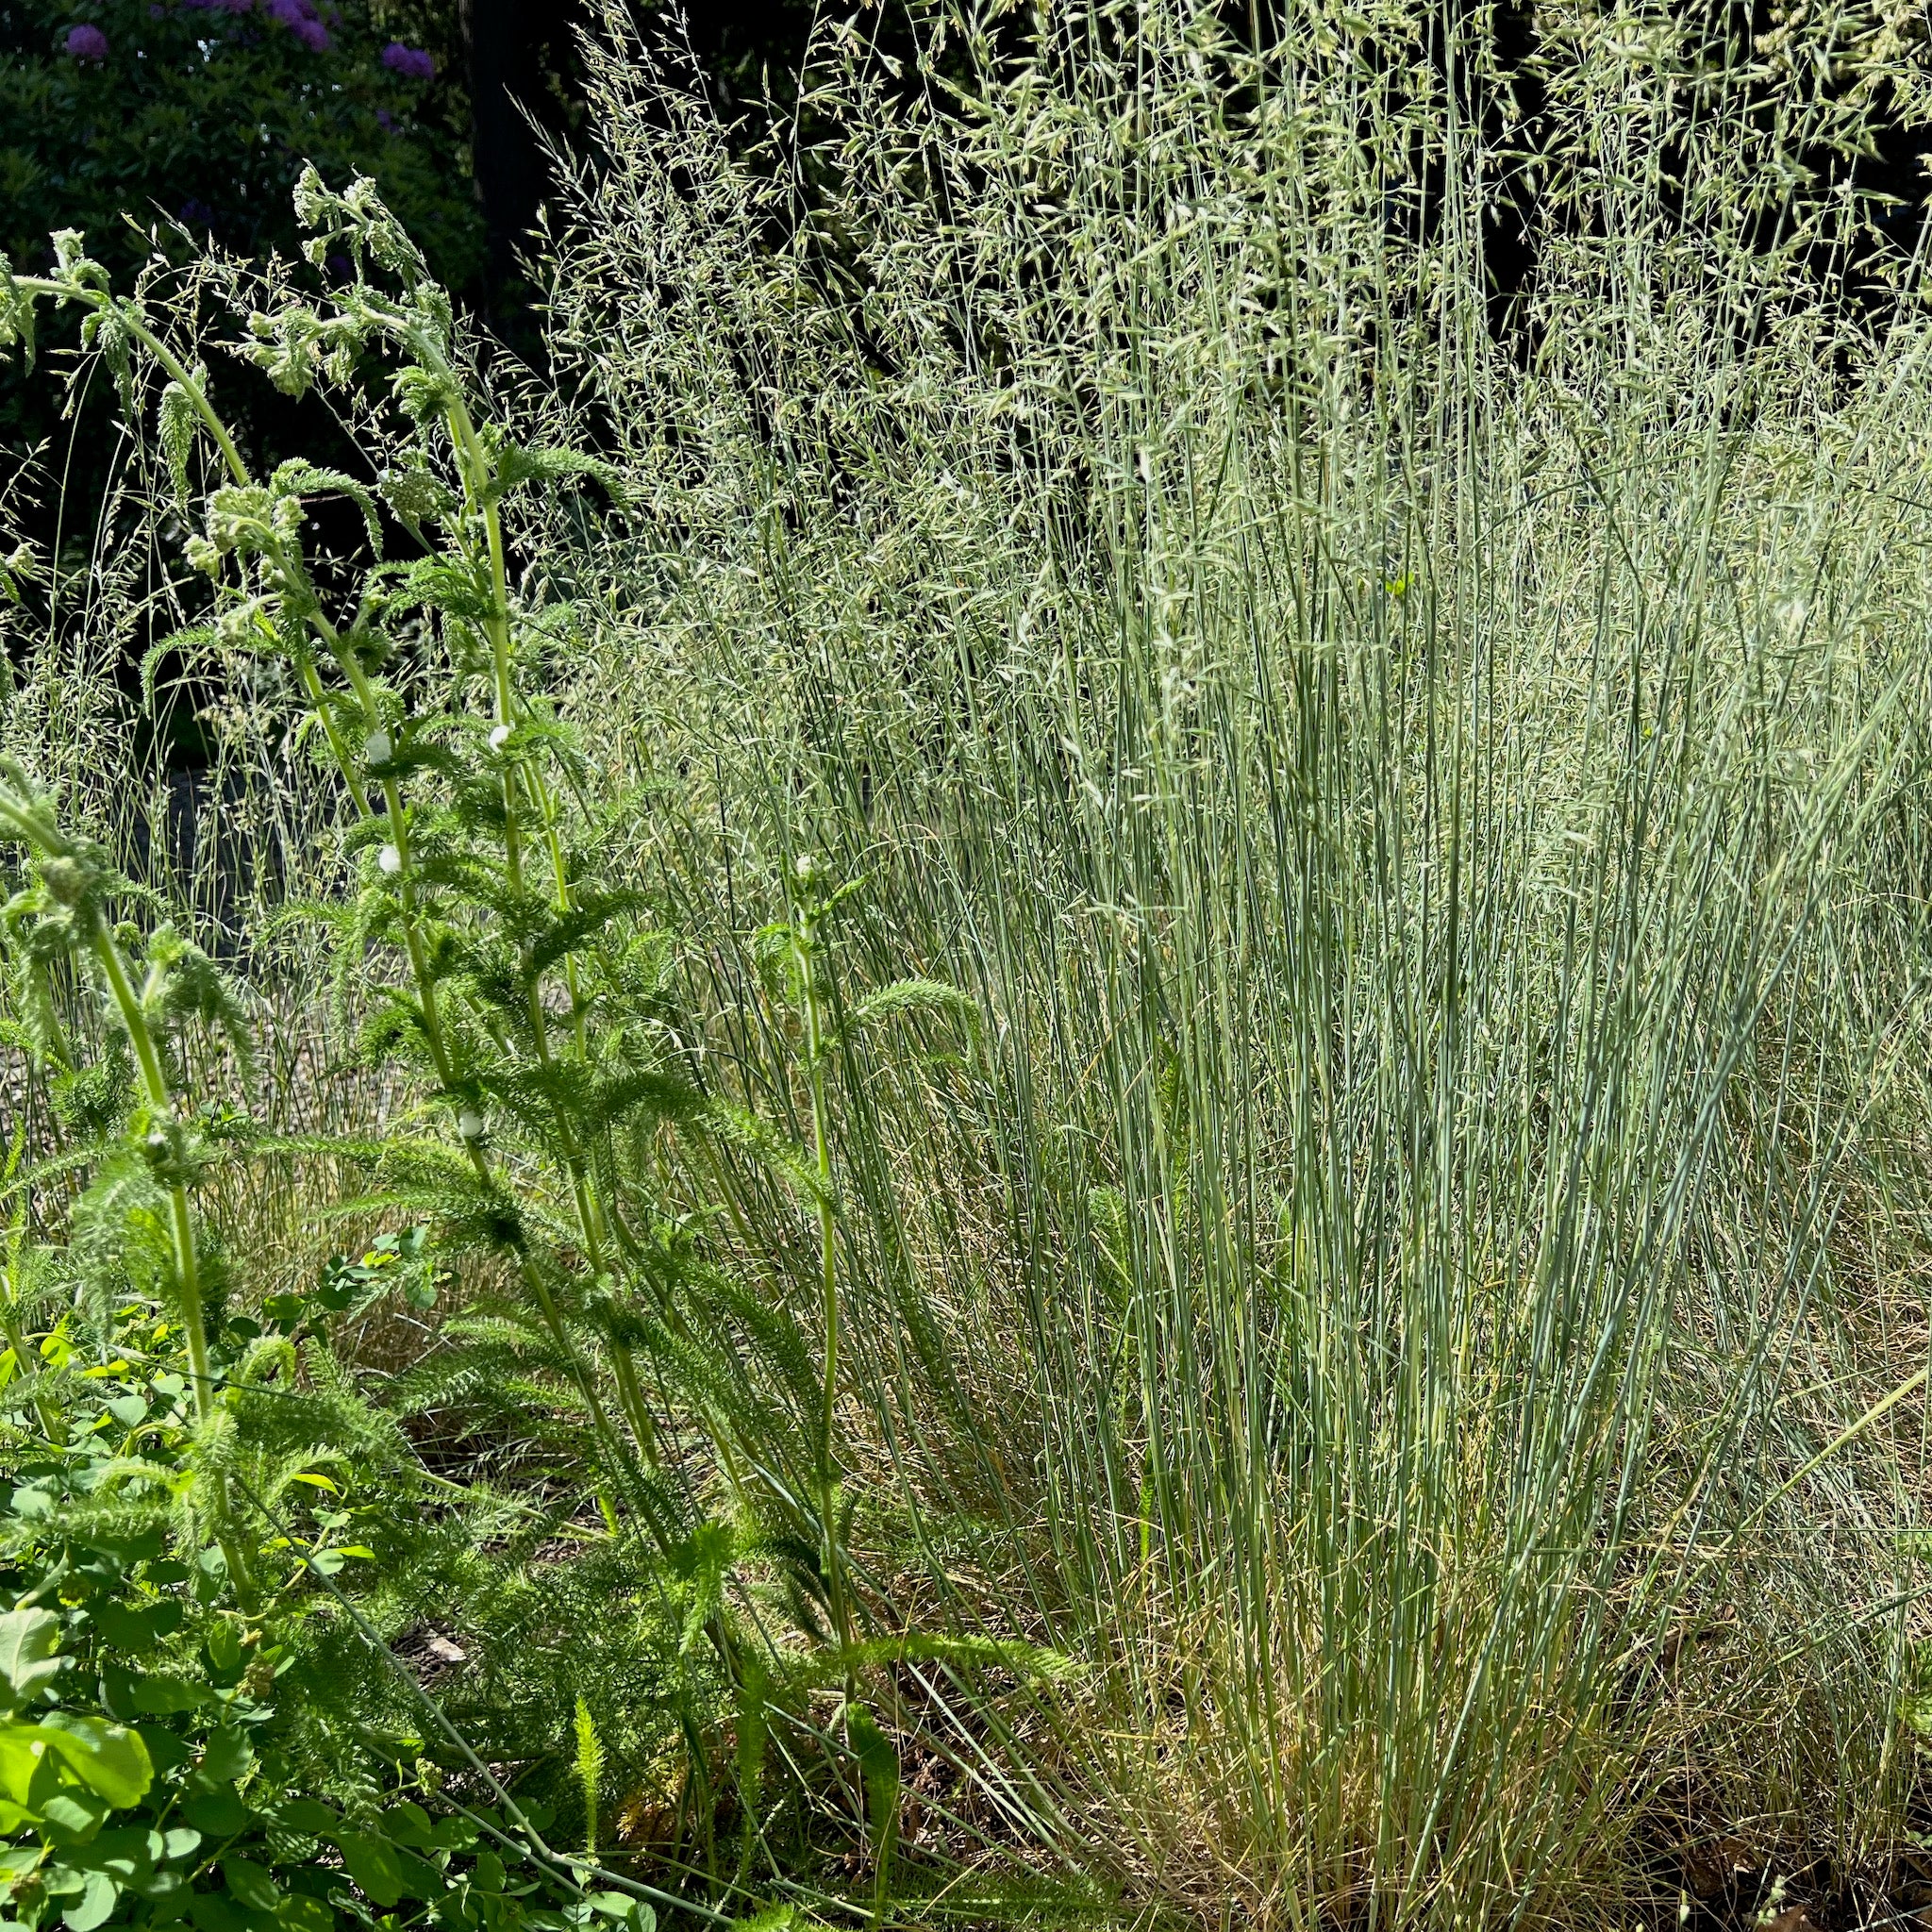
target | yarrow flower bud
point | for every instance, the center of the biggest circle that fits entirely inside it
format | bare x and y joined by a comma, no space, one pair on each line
470,1123
377,747
389,860
499,738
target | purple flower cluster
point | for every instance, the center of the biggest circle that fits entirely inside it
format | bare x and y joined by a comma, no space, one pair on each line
412,63
86,43
302,20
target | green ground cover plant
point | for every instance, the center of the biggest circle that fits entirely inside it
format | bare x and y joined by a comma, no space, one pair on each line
1063,1060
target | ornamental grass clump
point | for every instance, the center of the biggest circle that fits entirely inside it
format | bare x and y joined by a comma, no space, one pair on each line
1422,789
1131,983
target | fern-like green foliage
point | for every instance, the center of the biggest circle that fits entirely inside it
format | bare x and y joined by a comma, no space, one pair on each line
654,1508
170,1537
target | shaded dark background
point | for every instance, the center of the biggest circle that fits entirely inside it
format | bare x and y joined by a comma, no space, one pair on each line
521,64
198,119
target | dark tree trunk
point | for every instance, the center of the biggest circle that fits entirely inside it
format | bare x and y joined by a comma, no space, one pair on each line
506,51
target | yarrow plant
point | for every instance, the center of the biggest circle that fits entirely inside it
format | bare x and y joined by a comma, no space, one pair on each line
476,844
453,814
159,1591
524,991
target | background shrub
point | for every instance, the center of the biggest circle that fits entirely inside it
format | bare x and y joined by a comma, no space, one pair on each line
202,115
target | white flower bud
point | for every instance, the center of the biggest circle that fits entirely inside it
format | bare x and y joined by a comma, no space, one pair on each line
470,1123
499,738
389,860
378,748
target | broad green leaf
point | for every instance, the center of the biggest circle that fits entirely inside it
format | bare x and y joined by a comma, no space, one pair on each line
22,1747
215,1911
421,1879
626,1910
219,1814
109,1760
251,1885
225,1650
407,1824
161,1696
164,1749
70,1816
307,1815
124,1627
127,1854
372,1863
453,1834
225,1757
95,1902
28,1639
